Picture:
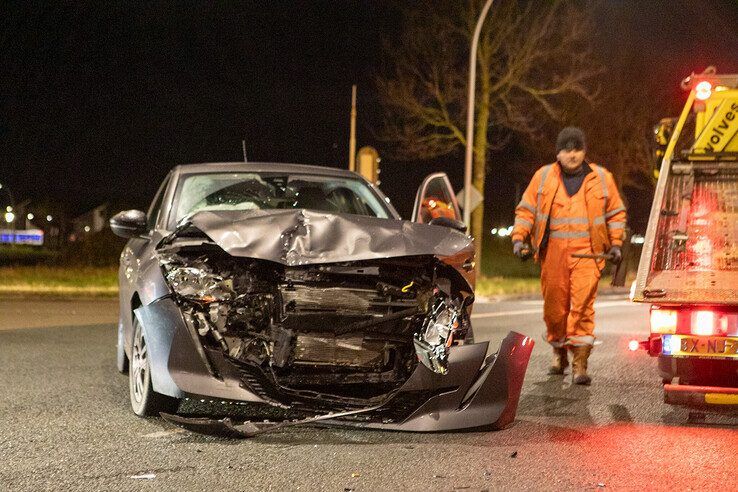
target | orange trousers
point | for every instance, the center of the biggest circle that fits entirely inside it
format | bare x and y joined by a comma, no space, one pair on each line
569,288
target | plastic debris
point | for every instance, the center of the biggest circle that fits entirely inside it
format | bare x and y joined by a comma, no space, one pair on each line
514,454
145,476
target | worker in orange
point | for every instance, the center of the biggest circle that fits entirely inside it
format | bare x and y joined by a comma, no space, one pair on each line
571,207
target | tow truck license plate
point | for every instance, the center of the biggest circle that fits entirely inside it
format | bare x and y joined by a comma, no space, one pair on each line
685,346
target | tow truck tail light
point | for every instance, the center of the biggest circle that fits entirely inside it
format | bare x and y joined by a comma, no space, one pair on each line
703,323
663,321
703,90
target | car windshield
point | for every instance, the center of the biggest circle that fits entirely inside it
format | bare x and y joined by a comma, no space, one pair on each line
266,191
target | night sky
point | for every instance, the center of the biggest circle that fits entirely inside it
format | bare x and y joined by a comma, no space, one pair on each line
100,100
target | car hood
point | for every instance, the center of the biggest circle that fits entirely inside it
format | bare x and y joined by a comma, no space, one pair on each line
301,237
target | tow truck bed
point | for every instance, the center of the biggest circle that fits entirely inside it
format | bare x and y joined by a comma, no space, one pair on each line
694,255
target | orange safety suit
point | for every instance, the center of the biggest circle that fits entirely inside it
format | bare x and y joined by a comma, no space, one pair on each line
590,222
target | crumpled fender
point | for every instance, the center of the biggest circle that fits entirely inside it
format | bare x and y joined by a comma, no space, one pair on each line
159,322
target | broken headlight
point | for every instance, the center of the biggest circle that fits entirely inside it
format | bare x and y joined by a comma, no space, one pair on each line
196,282
434,339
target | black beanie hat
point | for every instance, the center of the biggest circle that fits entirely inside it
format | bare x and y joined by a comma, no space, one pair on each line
570,138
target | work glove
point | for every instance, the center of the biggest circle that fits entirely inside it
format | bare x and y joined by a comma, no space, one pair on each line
616,256
521,250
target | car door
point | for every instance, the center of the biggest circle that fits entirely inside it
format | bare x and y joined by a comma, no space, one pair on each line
435,198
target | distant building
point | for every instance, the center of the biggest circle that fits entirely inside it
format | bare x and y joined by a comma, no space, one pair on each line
89,222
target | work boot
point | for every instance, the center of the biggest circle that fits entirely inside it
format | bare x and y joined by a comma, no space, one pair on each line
580,354
560,361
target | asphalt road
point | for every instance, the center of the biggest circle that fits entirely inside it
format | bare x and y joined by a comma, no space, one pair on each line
65,423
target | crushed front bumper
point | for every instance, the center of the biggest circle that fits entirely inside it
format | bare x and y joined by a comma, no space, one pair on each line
477,391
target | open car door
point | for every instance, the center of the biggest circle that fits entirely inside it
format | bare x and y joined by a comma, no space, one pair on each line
436,202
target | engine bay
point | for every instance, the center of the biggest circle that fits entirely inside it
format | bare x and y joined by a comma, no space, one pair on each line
353,330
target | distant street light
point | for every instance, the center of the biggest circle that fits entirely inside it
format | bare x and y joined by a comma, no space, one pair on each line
49,218
8,208
9,217
470,115
87,228
30,216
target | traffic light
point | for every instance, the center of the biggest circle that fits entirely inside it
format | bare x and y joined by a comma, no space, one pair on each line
367,164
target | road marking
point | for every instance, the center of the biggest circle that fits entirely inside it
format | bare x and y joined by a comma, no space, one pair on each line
598,305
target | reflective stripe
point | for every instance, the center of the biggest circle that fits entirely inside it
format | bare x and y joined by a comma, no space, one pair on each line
599,220
558,344
555,343
602,179
569,235
519,220
541,217
616,225
544,175
580,340
613,212
527,206
601,172
569,220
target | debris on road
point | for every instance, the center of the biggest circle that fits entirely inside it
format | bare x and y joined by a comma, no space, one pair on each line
145,476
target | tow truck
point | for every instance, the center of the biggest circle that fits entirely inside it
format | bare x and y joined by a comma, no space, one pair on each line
688,269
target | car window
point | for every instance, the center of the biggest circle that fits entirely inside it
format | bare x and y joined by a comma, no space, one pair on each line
437,201
156,205
265,191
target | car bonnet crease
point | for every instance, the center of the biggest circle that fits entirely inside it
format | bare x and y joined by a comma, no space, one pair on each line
303,237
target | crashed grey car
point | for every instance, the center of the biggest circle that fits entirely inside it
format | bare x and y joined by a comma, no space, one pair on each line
301,288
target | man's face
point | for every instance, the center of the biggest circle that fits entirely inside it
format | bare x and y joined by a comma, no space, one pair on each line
571,160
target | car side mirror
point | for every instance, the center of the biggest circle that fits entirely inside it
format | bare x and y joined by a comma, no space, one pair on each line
447,222
129,223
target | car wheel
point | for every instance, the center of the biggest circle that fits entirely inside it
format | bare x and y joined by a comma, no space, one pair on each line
121,361
145,401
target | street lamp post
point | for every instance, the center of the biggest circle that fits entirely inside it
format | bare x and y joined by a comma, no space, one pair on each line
470,115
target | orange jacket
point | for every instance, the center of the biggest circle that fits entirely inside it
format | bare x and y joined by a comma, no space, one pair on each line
605,211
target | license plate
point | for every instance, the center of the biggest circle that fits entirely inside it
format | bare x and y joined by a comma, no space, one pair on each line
685,346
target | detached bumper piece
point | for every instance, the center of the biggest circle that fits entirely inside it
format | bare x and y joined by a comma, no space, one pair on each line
476,393
712,397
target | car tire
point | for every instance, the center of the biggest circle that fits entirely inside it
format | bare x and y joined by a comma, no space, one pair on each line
121,361
145,402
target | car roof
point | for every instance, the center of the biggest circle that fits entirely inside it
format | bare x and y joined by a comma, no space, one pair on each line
263,167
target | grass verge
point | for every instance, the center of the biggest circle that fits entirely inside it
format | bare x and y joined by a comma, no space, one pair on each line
102,282
50,281
512,286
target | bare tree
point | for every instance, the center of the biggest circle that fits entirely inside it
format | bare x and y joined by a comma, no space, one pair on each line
533,58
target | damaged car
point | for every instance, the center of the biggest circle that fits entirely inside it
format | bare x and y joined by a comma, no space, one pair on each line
301,288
